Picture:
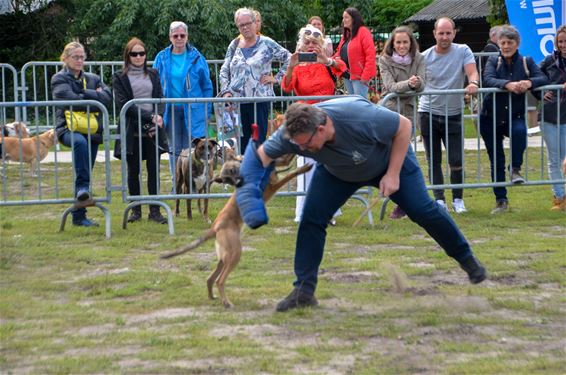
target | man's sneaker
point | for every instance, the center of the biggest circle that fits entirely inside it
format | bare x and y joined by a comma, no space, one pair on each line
458,206
476,272
83,195
500,207
516,177
442,204
297,298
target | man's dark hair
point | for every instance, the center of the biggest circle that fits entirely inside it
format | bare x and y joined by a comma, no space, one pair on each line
302,118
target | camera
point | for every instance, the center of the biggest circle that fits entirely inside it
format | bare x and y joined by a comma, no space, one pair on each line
307,57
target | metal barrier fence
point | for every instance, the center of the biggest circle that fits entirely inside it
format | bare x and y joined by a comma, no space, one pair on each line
475,176
7,80
362,195
52,184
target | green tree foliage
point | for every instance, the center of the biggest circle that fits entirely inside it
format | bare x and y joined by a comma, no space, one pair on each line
388,14
34,31
497,13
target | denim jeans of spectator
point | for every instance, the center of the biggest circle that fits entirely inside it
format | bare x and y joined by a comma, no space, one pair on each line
355,87
327,193
248,116
177,136
555,138
493,140
83,162
437,132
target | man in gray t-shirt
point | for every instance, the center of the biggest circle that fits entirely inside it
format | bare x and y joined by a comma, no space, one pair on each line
356,144
440,116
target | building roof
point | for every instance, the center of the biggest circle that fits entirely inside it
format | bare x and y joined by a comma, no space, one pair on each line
458,10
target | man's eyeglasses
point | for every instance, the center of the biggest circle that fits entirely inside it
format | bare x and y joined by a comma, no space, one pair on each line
243,25
307,143
136,54
78,57
179,36
316,34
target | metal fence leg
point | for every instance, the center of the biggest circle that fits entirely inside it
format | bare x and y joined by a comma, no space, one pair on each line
105,211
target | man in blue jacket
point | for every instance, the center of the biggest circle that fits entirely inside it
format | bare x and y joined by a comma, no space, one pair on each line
357,144
184,73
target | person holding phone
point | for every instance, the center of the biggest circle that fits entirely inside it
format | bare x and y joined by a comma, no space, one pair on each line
310,73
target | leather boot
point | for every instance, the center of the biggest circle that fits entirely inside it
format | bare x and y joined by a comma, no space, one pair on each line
476,272
135,214
558,204
155,215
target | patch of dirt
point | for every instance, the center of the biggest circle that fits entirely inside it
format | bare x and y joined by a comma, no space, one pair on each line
350,277
165,314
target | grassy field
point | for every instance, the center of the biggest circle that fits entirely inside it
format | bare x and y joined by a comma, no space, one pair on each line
391,301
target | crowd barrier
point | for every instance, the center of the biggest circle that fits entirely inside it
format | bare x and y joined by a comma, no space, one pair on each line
9,89
475,175
52,183
47,188
136,200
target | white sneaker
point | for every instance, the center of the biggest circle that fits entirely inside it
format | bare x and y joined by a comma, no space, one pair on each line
442,204
458,206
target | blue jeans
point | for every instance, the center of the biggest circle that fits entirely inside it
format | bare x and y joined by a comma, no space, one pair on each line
555,139
497,154
177,137
355,87
327,193
248,116
83,163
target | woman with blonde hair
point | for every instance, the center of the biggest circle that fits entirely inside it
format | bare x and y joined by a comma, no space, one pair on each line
310,79
316,21
73,83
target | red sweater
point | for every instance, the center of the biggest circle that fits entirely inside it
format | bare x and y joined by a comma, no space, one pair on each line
361,55
309,79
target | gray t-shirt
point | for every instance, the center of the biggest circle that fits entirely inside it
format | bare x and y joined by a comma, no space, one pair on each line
445,71
362,146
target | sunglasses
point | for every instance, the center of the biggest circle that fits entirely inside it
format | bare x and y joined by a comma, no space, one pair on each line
179,36
78,57
316,34
136,54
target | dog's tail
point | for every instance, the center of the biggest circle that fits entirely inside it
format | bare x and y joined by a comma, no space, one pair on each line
211,233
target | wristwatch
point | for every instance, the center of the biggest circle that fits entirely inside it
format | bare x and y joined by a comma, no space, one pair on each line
475,82
330,62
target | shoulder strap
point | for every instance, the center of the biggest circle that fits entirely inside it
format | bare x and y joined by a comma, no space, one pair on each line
527,72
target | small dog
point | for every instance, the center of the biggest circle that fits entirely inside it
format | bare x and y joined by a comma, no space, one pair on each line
15,129
32,150
227,228
201,164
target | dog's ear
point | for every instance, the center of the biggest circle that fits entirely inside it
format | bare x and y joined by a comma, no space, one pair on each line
195,141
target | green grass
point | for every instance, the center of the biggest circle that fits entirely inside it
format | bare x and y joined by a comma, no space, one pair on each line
391,301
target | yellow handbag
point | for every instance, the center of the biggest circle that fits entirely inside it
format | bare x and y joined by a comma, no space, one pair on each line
78,121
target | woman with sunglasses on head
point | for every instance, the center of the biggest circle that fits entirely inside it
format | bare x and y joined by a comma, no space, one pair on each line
402,69
184,73
357,50
313,78
316,21
72,83
246,72
144,137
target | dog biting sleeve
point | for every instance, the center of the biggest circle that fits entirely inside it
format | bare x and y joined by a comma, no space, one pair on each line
249,197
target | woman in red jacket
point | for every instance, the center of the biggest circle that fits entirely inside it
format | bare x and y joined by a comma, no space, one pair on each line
357,50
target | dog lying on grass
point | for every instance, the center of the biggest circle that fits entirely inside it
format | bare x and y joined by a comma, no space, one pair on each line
29,150
227,227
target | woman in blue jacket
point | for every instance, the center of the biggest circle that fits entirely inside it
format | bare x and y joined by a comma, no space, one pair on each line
184,73
517,75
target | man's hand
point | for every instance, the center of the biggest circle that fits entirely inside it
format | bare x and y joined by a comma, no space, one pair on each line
389,184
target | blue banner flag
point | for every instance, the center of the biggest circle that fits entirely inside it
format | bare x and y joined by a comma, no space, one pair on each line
537,21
